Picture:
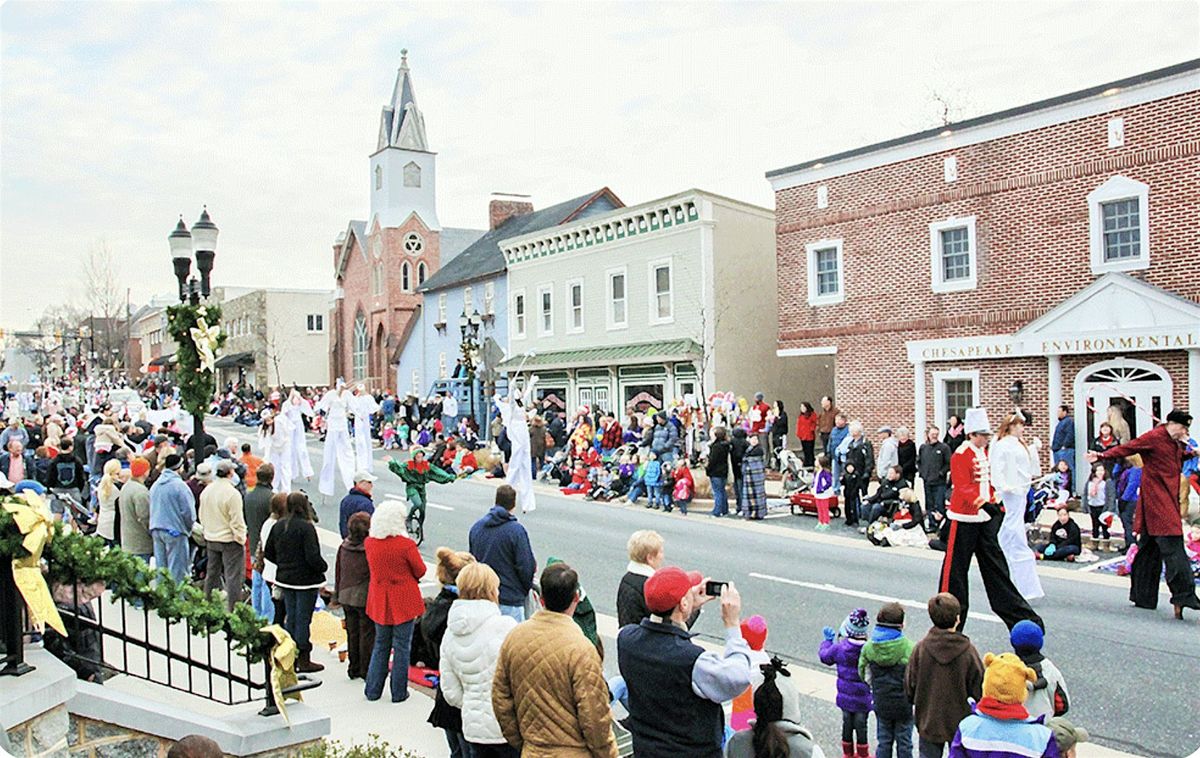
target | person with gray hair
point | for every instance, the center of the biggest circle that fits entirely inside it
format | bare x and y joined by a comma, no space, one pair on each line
225,534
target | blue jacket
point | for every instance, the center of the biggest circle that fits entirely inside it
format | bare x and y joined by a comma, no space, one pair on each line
983,736
501,542
836,435
1064,435
1129,483
653,475
663,437
172,506
356,500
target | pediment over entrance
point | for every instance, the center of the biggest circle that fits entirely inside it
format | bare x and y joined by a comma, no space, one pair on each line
1116,303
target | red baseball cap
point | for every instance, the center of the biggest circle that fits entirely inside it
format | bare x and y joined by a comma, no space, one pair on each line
667,586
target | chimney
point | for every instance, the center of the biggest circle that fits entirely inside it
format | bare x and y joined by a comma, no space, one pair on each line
504,206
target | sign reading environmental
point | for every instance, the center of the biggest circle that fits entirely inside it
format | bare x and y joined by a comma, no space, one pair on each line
1017,346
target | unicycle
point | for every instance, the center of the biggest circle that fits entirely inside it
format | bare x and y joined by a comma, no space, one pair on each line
415,526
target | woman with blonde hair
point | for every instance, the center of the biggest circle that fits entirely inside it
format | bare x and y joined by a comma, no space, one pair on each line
106,496
431,630
1014,467
470,649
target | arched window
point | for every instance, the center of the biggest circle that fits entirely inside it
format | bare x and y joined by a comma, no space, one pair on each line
359,353
421,273
406,277
412,174
377,279
379,177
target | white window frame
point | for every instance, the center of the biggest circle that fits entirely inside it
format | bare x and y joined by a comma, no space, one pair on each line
409,174
441,319
936,271
406,277
315,323
443,366
359,359
811,256
489,298
939,391
652,284
543,330
609,322
416,383
422,273
1118,188
570,285
520,319
468,300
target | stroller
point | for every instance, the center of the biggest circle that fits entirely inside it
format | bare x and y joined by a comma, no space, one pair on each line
796,478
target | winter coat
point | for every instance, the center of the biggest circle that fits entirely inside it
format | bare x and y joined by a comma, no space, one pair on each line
1157,513
1062,535
853,694
500,541
172,506
663,437
355,501
352,575
537,437
65,473
631,596
134,505
933,462
1129,483
943,671
431,629
836,435
1049,691
295,550
475,629
800,742
883,665
737,450
981,735
549,693
256,508
221,513
718,460
653,474
858,463
394,596
889,455
806,426
827,421
906,454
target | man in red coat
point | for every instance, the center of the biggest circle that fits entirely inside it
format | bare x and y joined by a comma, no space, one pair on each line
975,517
1156,520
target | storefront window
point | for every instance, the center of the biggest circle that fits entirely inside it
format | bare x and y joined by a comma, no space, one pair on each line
643,397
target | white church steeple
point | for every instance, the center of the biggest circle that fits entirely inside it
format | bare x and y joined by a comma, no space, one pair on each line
402,168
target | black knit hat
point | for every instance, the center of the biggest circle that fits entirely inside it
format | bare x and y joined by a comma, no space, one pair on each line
1179,417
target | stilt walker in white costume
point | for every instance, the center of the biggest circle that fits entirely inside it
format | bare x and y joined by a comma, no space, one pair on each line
1014,467
296,408
363,406
520,463
338,454
275,439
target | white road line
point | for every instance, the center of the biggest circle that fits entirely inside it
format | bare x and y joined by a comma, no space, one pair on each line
865,595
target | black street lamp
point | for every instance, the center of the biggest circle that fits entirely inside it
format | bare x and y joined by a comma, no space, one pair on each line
468,326
202,242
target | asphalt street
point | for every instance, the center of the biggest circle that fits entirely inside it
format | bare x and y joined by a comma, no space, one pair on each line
1131,673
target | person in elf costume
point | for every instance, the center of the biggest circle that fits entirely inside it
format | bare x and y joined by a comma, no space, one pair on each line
416,472
1000,726
975,516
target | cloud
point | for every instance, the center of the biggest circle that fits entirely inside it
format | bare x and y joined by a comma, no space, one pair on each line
117,117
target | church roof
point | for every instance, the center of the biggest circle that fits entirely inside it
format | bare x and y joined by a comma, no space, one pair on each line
484,257
356,233
401,123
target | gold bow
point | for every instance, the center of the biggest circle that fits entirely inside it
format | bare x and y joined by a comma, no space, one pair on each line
283,672
33,519
205,338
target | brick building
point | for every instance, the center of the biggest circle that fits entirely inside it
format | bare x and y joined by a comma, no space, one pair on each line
379,263
1055,244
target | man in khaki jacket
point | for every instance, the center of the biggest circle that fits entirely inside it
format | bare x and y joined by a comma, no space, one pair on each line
225,535
549,692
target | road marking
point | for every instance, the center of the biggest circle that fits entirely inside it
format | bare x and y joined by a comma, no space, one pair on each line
402,499
865,595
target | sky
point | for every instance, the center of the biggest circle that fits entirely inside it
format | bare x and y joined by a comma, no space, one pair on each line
115,118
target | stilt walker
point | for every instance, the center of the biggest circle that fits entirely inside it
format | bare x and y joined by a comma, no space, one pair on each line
296,409
1014,467
363,406
275,439
974,530
520,464
338,455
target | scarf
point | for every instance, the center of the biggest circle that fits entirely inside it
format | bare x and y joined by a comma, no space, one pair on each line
990,706
885,634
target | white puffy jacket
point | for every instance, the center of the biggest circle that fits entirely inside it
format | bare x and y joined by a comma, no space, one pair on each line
474,632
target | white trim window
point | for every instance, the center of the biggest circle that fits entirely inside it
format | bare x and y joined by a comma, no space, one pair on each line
545,311
405,277
617,296
358,353
316,323
443,370
575,306
826,272
422,273
953,259
441,319
953,393
662,301
1119,220
468,300
416,383
489,299
518,319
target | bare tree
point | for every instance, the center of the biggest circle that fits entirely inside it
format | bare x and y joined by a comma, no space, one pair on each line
105,301
275,348
55,336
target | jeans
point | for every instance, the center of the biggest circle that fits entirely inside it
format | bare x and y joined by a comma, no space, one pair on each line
298,607
227,568
394,641
738,494
459,748
1060,553
515,612
655,498
889,731
837,474
260,596
1125,509
720,498
172,553
636,489
935,500
930,749
501,750
854,727
1099,530
1067,454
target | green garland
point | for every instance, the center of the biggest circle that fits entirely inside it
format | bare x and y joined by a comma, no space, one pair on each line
196,387
71,556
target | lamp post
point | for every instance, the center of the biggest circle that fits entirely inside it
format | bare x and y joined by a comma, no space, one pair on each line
468,326
202,242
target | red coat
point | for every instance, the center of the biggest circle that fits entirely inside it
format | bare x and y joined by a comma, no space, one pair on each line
969,466
1157,511
806,426
394,595
757,427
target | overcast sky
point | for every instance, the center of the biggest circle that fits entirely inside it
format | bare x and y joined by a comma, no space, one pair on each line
118,117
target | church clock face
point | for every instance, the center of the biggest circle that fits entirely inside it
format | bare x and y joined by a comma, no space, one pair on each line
414,244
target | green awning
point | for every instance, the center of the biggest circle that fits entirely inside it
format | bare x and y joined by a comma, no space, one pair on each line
616,355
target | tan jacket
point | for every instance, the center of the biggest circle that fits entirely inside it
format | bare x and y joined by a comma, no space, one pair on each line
549,692
221,513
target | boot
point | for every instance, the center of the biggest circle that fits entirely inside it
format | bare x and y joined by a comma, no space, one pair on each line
863,751
847,749
305,665
1106,545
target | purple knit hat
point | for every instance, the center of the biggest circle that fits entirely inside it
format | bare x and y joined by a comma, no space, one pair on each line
856,624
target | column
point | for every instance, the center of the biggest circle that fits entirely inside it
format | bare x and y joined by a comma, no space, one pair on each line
1194,390
1054,389
919,421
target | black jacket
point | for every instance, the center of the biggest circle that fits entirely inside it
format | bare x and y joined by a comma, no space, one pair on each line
737,450
631,601
293,547
889,491
933,462
1062,535
718,459
906,456
431,628
66,473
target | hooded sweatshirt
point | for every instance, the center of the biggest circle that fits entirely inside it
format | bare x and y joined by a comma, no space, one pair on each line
475,629
882,664
944,670
501,542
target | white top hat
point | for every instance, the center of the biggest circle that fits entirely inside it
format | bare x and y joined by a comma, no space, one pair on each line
976,421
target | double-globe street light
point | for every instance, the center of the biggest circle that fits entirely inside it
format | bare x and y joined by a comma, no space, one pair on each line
202,242
469,327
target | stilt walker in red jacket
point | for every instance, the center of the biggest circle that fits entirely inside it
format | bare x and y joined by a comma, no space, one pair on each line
975,517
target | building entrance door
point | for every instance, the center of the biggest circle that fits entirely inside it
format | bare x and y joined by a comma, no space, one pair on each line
1122,389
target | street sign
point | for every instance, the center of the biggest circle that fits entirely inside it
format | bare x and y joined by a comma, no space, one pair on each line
490,356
